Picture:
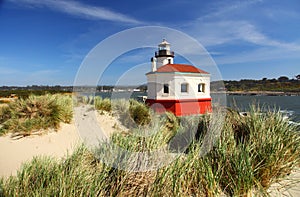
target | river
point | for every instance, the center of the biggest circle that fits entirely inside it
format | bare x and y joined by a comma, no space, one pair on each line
289,105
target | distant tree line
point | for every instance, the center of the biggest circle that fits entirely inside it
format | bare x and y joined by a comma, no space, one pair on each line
37,87
25,91
281,84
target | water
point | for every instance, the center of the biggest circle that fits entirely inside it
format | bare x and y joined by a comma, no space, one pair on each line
289,105
119,95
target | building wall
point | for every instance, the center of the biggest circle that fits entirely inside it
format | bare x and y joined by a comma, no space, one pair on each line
181,107
157,80
155,85
163,61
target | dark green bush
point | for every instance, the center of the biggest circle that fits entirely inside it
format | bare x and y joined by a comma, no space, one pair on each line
139,112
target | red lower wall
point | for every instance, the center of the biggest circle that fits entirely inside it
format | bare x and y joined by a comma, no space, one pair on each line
181,107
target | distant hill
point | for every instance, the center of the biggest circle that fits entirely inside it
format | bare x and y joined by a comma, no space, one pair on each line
282,84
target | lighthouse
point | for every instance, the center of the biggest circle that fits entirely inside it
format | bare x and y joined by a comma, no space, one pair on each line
179,88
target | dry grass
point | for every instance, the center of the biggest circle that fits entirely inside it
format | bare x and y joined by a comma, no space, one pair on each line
27,116
252,152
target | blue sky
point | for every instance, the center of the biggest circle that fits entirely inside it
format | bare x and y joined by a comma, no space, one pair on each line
43,42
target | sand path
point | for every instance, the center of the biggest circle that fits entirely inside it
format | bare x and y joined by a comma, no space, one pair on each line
14,152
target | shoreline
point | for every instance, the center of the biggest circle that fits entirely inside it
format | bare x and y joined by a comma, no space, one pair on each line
62,142
257,93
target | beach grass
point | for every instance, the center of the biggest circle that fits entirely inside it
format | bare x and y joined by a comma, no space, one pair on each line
131,113
102,104
31,115
250,153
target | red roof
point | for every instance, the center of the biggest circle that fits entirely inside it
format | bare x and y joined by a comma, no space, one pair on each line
180,68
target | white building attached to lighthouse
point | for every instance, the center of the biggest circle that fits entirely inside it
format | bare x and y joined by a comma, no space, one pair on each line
179,88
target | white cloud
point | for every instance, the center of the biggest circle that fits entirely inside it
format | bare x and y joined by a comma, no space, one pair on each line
223,8
248,32
80,10
281,14
221,28
233,33
261,54
137,56
229,31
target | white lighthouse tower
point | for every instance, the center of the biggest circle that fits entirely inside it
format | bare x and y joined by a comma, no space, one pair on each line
163,56
180,88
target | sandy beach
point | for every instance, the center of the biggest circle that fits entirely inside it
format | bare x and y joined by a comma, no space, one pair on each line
290,187
59,143
14,152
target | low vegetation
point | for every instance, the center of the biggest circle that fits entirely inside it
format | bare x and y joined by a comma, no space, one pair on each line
102,104
26,92
252,152
130,113
282,84
27,116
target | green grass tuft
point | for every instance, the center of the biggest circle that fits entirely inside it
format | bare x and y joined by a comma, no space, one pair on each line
132,113
251,153
102,104
26,116
139,112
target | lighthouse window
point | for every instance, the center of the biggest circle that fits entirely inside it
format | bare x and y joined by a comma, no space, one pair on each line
201,87
184,87
166,88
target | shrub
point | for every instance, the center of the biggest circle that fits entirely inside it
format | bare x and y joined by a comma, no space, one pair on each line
102,104
46,176
139,112
255,150
132,113
4,114
25,116
251,153
120,109
171,122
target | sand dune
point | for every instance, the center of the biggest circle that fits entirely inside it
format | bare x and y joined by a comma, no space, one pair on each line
14,152
290,187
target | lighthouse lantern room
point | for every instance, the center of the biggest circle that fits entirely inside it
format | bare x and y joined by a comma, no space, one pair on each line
179,88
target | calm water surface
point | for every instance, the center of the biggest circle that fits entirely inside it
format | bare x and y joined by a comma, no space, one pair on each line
289,105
